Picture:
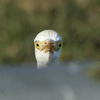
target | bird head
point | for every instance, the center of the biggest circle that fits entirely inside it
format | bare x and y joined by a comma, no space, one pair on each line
48,45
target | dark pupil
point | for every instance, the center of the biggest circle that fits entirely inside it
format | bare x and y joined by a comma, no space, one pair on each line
37,45
59,45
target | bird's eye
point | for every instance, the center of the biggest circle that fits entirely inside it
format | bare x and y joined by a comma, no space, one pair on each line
60,45
37,45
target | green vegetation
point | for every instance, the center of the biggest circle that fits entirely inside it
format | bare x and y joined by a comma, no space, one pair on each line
77,21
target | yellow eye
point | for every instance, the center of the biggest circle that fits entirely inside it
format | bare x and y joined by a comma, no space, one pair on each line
37,45
59,45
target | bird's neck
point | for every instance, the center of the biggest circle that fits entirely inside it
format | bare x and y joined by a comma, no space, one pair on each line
43,64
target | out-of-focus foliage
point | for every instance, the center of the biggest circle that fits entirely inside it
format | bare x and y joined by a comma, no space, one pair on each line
77,21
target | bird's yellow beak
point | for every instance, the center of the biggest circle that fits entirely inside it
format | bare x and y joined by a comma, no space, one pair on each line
49,46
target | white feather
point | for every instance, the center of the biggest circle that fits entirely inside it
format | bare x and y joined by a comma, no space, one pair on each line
44,59
48,34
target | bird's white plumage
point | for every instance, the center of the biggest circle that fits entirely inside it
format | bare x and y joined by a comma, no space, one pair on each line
44,59
48,34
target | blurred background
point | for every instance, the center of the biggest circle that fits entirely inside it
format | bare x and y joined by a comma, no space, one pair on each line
77,21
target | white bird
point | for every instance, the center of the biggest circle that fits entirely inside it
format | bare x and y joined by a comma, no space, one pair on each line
47,48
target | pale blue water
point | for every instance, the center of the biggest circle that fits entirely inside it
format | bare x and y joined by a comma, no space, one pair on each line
69,81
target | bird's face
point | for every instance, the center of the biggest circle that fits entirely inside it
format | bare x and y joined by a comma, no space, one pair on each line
47,47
